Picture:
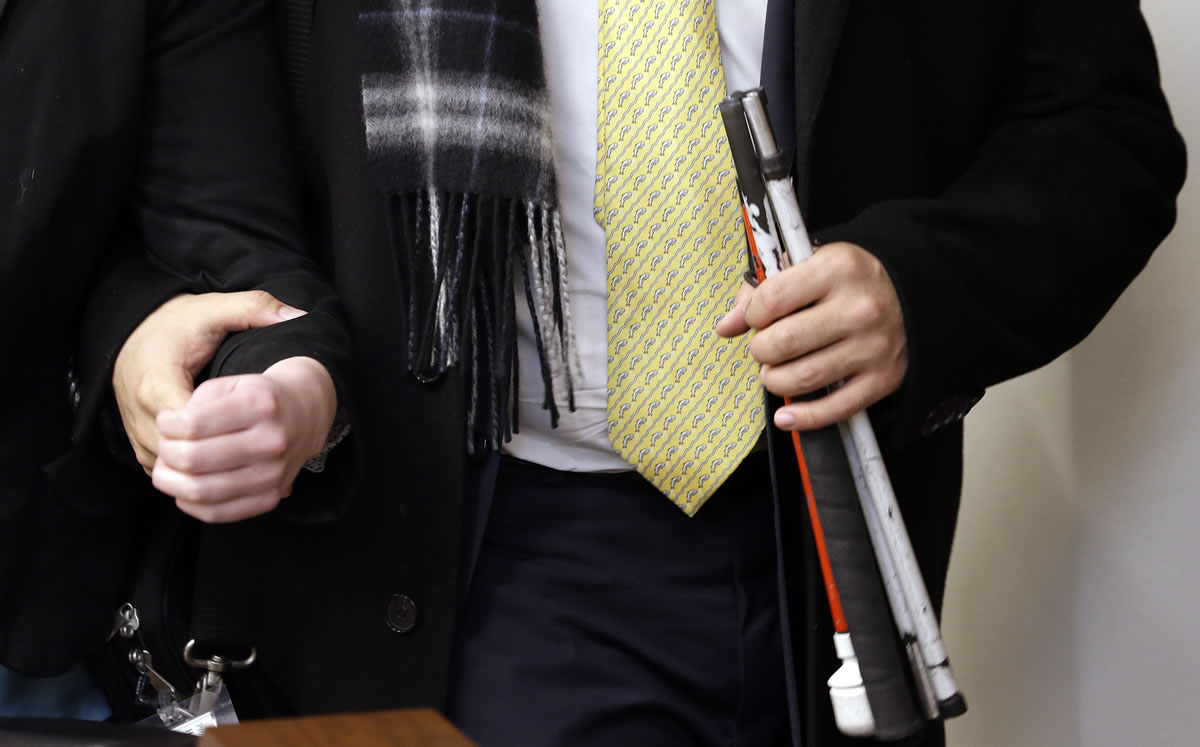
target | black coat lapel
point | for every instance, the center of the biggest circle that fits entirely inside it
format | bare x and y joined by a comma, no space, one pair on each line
3,5
818,29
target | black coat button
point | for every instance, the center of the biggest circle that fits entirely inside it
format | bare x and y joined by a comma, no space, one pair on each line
401,614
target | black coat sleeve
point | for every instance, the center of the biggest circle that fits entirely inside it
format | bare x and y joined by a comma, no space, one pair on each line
215,207
1072,189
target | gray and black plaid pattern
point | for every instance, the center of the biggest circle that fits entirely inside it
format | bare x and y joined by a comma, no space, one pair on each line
458,131
457,89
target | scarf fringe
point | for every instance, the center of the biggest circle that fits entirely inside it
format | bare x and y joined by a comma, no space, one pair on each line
456,258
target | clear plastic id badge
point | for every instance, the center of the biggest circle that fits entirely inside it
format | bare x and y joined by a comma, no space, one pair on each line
210,706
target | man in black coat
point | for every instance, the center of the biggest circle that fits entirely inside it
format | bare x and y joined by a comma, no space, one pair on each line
127,127
1006,168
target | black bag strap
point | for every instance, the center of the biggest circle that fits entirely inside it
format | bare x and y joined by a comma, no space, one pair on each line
226,599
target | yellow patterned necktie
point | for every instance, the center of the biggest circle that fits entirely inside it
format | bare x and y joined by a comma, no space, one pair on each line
684,405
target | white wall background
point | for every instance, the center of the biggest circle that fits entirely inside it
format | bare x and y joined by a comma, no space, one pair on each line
1073,610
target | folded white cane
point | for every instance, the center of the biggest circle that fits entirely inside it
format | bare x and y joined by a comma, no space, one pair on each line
779,241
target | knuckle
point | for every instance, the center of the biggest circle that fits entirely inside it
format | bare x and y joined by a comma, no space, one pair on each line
866,311
145,390
773,297
259,299
187,423
858,261
878,274
264,402
787,342
805,378
184,456
196,492
765,346
841,261
273,443
161,483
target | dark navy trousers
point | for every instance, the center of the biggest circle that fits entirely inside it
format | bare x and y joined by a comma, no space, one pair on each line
600,614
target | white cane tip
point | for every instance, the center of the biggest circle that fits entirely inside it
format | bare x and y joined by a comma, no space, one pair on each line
851,709
852,712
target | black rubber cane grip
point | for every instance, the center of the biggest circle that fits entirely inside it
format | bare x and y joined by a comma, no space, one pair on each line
868,615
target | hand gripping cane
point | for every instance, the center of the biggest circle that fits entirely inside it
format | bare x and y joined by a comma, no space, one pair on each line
773,218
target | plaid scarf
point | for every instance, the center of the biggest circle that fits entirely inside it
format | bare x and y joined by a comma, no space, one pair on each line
459,138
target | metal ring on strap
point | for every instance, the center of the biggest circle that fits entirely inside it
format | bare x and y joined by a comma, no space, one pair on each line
217,663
